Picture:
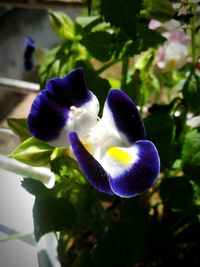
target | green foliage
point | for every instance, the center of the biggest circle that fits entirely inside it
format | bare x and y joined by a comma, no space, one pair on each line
61,60
122,14
19,127
160,10
147,38
160,129
50,213
99,45
115,47
62,24
191,91
33,152
191,154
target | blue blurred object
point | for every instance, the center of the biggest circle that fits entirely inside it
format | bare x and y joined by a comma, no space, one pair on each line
28,53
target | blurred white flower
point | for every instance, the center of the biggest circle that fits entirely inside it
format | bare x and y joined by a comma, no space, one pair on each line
174,53
169,25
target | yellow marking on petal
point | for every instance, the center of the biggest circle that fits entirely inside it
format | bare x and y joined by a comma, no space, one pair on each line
120,155
171,64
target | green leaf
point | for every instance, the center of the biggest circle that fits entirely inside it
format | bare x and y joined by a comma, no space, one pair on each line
52,214
160,10
66,167
122,14
196,188
191,154
123,245
62,24
19,127
177,194
55,63
145,61
123,45
85,25
45,66
34,187
33,152
99,44
160,130
133,87
191,92
148,38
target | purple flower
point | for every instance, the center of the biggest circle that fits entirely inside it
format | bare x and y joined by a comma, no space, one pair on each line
112,151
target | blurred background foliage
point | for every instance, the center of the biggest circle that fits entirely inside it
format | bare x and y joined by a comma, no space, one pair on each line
115,44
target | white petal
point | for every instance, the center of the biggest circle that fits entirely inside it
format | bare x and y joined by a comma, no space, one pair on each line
118,160
80,120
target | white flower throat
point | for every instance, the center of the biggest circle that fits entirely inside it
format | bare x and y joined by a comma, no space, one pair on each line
102,139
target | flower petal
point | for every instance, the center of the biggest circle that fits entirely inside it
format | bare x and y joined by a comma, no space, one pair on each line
135,171
47,118
70,90
66,105
121,113
93,171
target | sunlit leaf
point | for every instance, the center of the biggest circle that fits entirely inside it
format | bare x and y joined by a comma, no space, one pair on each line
62,24
19,127
33,152
159,10
99,44
86,24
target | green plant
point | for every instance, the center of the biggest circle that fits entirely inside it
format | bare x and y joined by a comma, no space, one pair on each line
116,48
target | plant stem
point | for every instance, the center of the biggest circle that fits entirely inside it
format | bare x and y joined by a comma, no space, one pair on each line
193,41
125,65
184,227
106,66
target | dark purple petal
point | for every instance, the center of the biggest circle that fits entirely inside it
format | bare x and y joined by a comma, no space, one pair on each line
126,115
29,42
46,118
28,53
141,175
93,171
70,90
50,110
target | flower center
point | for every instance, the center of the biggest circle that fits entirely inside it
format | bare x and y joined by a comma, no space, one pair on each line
171,63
